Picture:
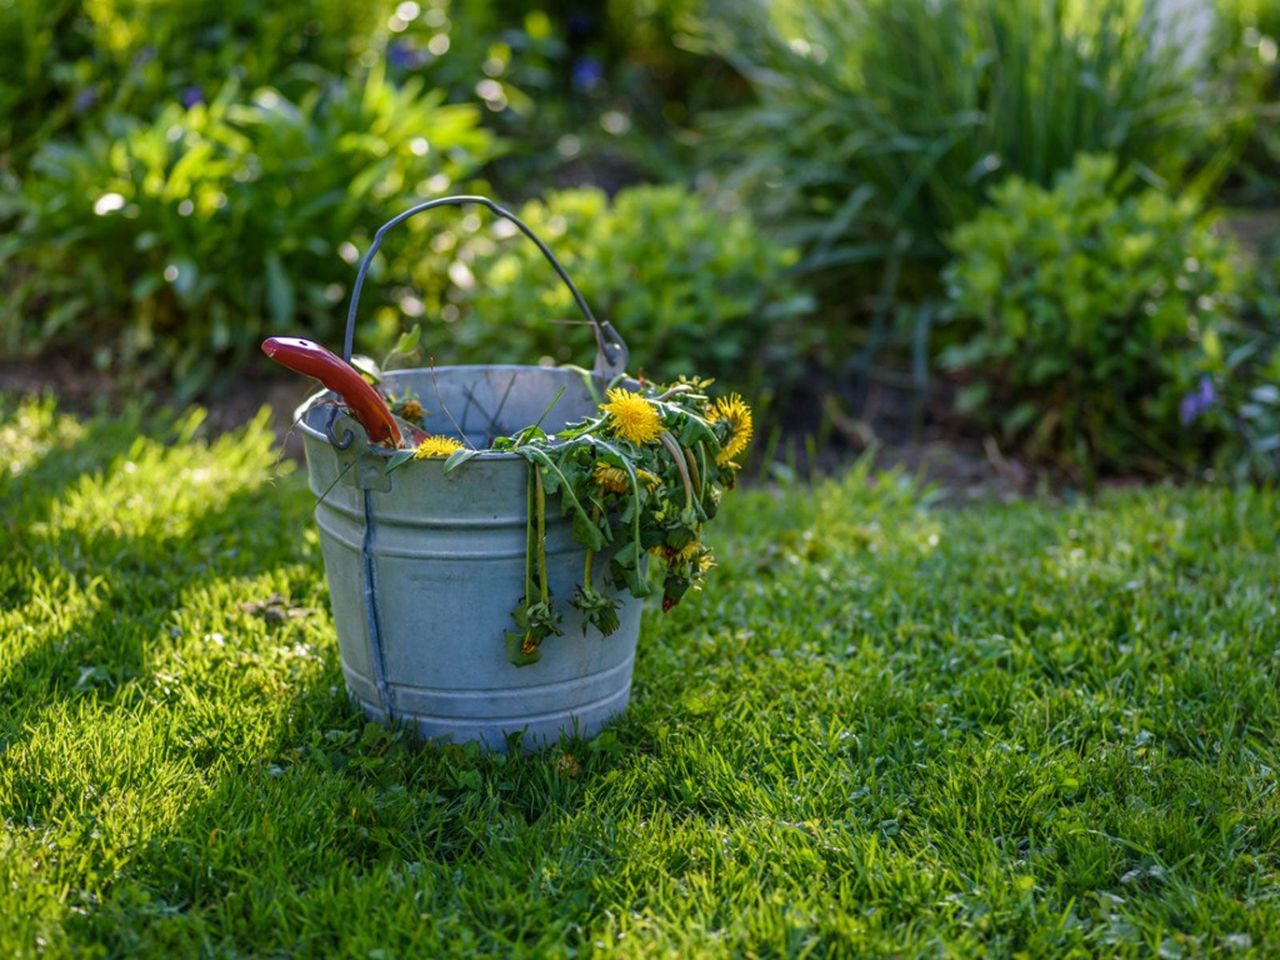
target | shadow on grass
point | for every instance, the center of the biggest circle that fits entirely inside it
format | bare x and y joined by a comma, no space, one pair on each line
105,602
291,816
340,837
333,836
134,588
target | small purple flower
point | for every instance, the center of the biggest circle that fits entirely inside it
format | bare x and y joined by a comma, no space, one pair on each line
398,55
587,73
1208,395
85,100
1197,401
191,96
402,56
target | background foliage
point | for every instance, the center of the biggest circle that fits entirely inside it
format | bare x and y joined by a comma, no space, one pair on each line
883,123
692,289
68,64
1243,52
1083,317
181,242
813,165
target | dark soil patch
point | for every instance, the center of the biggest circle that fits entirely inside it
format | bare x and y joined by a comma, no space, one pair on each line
817,436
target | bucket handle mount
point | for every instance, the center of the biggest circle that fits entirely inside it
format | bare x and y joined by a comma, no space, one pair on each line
611,350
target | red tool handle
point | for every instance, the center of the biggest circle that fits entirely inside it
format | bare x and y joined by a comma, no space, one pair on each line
308,357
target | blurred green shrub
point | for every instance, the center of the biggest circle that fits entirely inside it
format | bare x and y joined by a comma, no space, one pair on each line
600,89
692,290
39,53
1242,397
179,243
477,50
882,123
1244,50
1249,404
1084,318
586,90
64,64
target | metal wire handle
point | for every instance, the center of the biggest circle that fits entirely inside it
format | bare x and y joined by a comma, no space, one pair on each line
611,350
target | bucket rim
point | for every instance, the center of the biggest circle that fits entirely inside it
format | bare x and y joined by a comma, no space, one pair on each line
300,413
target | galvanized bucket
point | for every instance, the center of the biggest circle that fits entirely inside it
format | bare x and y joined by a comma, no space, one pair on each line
425,568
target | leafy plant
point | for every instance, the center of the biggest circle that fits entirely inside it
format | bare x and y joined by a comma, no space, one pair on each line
1083,317
1242,397
578,83
689,287
1244,49
66,65
641,479
33,41
181,242
586,90
882,123
1253,453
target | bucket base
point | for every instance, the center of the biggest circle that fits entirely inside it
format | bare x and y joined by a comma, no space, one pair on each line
539,730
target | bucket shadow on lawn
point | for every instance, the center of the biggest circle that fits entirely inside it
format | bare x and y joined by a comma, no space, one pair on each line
332,818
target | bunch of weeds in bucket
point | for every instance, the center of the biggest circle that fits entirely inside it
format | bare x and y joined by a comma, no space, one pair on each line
536,618
641,479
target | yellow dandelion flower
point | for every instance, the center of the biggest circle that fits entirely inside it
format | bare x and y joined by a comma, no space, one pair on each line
685,554
411,410
633,417
706,563
688,551
734,410
648,479
432,446
612,479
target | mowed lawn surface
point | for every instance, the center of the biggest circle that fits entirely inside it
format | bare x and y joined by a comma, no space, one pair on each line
886,728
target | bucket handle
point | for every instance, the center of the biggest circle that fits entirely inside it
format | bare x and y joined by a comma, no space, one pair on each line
611,350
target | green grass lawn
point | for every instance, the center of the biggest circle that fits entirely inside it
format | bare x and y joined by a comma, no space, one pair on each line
887,728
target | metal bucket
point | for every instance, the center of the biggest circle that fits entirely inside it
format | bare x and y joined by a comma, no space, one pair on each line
425,568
